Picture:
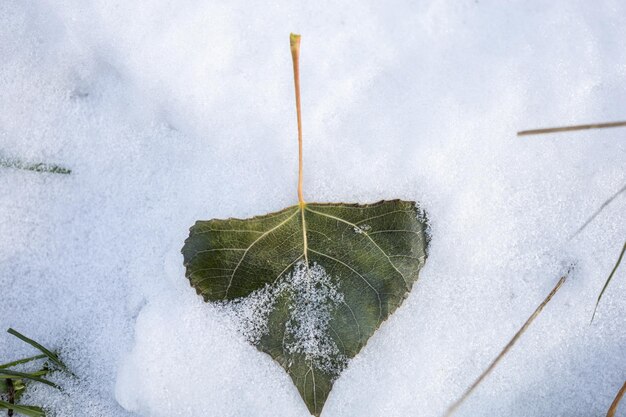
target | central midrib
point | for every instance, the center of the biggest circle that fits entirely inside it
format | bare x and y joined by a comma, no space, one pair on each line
305,246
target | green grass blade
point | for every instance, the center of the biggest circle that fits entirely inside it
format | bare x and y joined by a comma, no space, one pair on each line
52,356
606,284
42,372
27,410
6,374
21,361
37,167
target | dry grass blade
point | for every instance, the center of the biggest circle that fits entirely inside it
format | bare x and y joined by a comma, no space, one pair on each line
615,403
606,203
606,284
506,349
570,128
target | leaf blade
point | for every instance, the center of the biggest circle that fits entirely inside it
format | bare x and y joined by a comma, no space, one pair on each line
357,262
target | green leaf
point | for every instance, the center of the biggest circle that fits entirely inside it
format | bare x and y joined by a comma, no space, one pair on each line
312,282
27,410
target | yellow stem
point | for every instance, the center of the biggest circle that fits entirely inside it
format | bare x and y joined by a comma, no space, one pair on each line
294,41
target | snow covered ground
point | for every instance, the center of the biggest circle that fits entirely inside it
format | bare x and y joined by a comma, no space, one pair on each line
168,112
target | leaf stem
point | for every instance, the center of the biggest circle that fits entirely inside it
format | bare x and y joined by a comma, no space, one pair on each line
11,392
294,42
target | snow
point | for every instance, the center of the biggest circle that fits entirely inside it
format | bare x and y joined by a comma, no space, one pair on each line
310,297
171,112
314,297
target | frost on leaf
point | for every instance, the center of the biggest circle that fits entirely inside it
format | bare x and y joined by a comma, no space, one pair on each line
310,297
310,284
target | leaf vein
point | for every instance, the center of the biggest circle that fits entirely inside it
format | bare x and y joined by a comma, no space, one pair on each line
251,245
406,283
380,305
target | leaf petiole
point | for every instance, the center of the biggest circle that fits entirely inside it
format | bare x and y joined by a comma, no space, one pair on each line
294,42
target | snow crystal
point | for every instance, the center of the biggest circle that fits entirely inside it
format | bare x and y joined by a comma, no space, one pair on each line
311,298
362,228
314,297
251,313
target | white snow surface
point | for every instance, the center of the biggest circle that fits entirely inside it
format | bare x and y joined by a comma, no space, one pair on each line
169,112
